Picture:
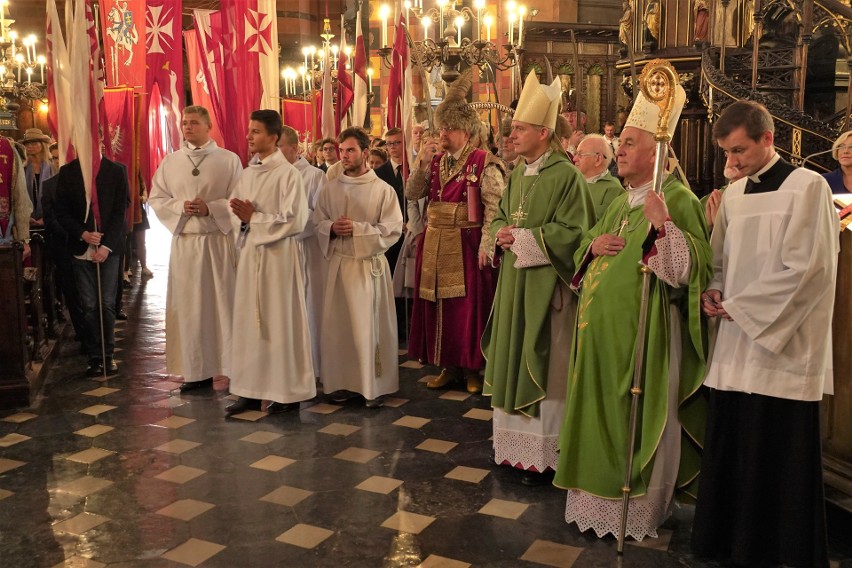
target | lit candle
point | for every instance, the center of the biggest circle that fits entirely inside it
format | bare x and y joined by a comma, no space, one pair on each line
3,18
522,10
32,45
441,4
426,21
459,23
479,5
29,74
512,27
305,52
384,12
41,62
487,21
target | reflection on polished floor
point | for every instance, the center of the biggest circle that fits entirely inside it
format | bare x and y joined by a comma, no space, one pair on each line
127,472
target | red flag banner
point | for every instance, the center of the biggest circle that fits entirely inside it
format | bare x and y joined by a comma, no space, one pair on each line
241,70
123,25
197,81
297,115
163,81
120,120
359,69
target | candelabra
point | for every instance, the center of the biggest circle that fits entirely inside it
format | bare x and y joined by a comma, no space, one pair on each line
19,63
450,48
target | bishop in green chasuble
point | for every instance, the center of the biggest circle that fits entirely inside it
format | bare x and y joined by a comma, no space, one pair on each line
545,209
593,442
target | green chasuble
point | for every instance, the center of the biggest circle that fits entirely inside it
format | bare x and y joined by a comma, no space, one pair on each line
516,341
603,191
593,441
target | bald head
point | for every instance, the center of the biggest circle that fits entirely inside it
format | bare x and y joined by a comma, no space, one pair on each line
593,156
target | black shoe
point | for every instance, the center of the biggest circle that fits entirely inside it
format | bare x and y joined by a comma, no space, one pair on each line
193,385
121,315
276,407
343,396
534,478
96,368
241,405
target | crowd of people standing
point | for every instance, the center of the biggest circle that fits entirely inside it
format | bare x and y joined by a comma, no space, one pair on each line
522,268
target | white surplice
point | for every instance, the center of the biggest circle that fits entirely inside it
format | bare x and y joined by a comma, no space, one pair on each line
775,261
359,345
314,264
202,266
272,349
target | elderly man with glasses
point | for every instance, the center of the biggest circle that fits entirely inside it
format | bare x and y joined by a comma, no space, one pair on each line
592,158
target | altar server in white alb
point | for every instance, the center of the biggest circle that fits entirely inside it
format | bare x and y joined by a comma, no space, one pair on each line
357,219
271,359
314,263
775,244
189,194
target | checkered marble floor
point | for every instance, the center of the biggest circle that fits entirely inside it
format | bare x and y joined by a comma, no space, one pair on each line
128,472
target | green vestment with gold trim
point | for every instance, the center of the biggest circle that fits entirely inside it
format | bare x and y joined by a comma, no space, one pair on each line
516,340
593,441
603,190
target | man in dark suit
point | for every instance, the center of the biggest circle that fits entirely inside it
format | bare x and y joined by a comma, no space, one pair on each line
95,252
57,246
391,173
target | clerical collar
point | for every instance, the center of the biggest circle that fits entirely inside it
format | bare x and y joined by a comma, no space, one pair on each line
636,195
533,167
756,177
193,147
593,179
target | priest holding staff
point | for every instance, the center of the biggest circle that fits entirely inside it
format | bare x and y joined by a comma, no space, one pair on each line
667,235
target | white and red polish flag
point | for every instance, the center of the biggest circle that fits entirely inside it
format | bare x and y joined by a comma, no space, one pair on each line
400,107
86,124
345,93
60,109
359,76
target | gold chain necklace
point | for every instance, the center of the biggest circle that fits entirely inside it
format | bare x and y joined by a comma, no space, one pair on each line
519,214
448,173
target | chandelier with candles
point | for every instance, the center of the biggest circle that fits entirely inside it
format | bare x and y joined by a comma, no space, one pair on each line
462,36
22,73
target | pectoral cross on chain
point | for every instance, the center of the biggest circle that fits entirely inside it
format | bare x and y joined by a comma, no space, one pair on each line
624,223
519,215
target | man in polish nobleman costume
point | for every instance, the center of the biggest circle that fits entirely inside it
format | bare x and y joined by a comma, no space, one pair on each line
454,282
544,211
189,194
669,235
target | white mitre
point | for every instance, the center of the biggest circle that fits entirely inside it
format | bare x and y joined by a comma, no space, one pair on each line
539,104
645,114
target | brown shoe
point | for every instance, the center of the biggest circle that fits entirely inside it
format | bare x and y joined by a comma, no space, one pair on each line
474,383
447,377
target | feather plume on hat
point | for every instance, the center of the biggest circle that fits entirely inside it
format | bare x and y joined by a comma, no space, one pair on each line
454,112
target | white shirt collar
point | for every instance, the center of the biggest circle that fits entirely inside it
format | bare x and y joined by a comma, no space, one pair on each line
595,178
194,147
533,167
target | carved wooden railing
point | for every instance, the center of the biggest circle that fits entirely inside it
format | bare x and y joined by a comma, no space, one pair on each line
797,134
